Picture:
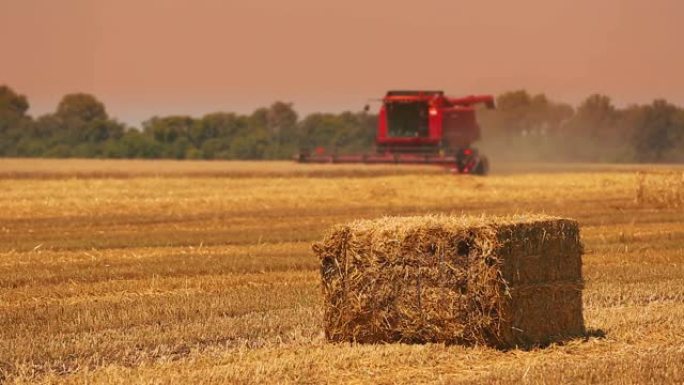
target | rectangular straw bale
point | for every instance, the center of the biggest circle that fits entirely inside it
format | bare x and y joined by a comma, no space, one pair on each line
504,282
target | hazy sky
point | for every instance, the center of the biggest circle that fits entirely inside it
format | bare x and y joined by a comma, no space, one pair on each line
147,57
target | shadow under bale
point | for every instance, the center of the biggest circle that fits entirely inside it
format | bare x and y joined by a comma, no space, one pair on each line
503,282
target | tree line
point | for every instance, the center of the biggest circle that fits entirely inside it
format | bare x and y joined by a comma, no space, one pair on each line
535,127
81,127
523,126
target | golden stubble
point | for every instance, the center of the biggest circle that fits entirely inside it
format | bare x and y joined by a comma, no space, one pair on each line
196,278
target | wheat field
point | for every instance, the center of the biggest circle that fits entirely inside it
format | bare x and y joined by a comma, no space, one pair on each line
201,272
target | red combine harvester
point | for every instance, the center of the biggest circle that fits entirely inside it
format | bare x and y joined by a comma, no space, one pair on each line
422,127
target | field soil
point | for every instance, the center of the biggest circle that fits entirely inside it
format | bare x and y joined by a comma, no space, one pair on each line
163,272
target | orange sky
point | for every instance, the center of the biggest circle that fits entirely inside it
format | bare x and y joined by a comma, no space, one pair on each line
147,57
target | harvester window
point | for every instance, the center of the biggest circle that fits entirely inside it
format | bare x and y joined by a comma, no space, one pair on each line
407,119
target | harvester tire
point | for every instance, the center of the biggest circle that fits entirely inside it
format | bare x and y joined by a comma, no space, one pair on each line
482,167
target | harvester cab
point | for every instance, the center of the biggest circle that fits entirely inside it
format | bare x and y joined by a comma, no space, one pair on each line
423,127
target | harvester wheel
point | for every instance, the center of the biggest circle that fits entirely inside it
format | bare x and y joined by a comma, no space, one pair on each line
482,167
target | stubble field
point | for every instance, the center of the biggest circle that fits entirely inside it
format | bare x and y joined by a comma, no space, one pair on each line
161,273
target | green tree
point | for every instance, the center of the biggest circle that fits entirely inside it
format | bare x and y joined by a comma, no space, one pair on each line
169,129
217,125
133,144
596,118
252,145
659,128
81,106
281,121
513,113
345,132
258,119
79,127
13,107
216,148
14,122
519,113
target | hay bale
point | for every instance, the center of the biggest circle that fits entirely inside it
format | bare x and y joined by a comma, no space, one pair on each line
504,282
